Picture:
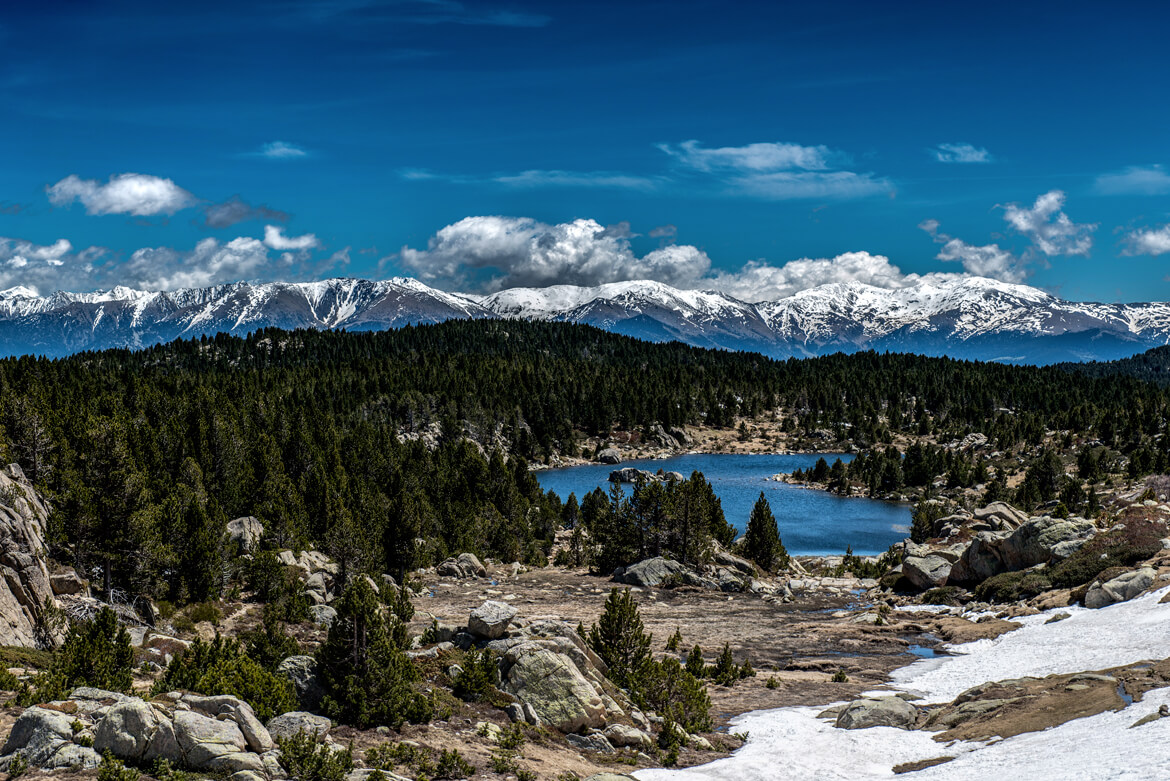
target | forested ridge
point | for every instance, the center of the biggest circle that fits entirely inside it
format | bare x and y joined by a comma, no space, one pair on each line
146,454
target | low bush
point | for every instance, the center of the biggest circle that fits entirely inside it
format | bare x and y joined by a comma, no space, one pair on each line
305,759
223,667
478,676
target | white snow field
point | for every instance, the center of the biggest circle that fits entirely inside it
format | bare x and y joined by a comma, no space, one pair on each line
792,744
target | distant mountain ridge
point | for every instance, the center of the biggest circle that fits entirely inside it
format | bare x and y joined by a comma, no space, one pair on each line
972,318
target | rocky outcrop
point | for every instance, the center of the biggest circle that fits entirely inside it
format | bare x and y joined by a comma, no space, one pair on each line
302,672
465,565
1122,588
631,474
611,455
287,725
45,738
878,712
551,683
68,583
927,572
650,572
490,620
26,584
245,532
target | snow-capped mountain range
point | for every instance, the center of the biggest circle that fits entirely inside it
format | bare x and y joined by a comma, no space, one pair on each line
972,318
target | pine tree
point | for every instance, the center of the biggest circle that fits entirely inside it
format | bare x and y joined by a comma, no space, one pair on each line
620,640
725,672
366,676
762,539
695,664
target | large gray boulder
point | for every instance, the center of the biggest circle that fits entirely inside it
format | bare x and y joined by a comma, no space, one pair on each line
553,686
979,561
130,728
302,671
650,572
926,572
1043,540
611,455
225,706
465,565
1000,515
1122,588
245,532
69,583
286,725
878,712
38,734
490,620
205,741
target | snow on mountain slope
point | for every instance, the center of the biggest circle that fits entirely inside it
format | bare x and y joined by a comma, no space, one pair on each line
968,318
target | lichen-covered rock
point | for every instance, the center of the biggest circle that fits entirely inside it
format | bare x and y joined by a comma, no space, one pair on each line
25,585
245,532
302,671
554,687
128,729
38,734
878,712
593,742
286,725
926,572
650,572
490,620
625,736
465,565
1122,588
204,741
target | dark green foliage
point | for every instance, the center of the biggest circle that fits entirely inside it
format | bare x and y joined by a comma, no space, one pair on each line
222,667
678,696
695,664
926,512
724,672
761,541
95,653
452,765
675,640
840,677
115,769
271,643
620,640
478,676
367,677
306,759
943,595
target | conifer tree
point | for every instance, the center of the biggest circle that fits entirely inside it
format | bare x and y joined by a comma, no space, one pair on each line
367,678
620,640
762,538
695,664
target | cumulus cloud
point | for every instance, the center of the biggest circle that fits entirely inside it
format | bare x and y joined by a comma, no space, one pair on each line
163,268
1135,180
492,253
664,232
1049,228
44,267
140,195
236,210
987,260
960,153
1155,241
274,237
282,150
758,281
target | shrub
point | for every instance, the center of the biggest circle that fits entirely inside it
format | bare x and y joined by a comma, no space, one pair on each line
943,595
724,672
270,644
695,664
115,770
205,611
18,765
222,667
367,677
478,676
678,696
840,677
95,653
452,765
675,641
305,759
772,682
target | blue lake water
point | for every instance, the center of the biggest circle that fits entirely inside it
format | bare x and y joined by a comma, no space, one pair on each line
812,523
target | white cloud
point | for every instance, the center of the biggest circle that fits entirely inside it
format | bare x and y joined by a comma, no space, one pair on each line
1049,228
988,260
274,237
960,153
758,157
162,268
1155,241
775,171
139,195
758,281
493,253
43,267
594,179
282,150
1135,180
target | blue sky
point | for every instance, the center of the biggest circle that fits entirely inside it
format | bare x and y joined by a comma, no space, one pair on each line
301,138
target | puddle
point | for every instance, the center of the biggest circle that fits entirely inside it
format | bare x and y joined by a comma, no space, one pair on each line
922,651
1125,696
